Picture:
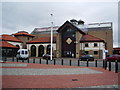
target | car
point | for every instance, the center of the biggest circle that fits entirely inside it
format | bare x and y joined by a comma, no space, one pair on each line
113,58
87,57
22,54
47,56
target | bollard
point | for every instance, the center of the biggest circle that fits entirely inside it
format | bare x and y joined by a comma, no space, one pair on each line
5,59
87,63
33,60
40,61
95,63
13,59
62,62
109,65
22,60
28,60
17,59
46,61
116,66
70,62
54,62
78,62
103,63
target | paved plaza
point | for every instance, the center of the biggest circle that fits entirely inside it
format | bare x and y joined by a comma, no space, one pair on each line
28,75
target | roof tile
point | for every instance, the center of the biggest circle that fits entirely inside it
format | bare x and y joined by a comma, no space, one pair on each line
42,40
6,44
23,34
90,38
10,38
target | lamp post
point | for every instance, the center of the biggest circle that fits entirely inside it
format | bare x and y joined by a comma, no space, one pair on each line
51,37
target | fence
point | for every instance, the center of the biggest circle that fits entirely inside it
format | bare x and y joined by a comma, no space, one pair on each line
105,64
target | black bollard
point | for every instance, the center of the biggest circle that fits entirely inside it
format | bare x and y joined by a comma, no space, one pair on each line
87,63
33,60
78,62
40,61
95,63
70,62
54,62
116,66
62,62
46,61
28,60
22,60
13,59
103,63
5,59
109,65
17,59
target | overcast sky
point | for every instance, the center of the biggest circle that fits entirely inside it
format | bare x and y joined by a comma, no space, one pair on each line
26,16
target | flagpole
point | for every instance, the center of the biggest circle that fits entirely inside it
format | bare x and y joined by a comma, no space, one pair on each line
51,36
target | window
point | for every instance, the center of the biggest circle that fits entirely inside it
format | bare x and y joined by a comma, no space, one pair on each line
86,52
86,44
95,52
95,45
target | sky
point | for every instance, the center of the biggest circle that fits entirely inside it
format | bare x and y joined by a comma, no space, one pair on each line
17,16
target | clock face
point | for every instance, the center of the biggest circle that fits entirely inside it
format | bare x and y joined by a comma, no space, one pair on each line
69,41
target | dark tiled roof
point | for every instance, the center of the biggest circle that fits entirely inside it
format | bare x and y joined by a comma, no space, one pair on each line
90,38
7,45
42,40
10,38
66,24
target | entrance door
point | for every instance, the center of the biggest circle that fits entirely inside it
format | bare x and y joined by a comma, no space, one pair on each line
68,43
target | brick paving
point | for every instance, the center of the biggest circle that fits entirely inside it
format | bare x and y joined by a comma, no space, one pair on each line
94,77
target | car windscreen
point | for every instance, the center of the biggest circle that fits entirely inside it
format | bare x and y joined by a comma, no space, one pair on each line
22,52
26,52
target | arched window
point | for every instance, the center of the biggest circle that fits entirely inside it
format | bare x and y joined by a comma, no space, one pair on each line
40,51
48,49
33,51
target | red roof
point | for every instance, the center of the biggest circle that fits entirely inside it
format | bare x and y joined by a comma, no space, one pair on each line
42,40
10,38
6,44
23,34
90,38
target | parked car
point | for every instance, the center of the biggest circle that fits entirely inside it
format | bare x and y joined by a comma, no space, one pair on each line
113,58
22,54
85,57
47,56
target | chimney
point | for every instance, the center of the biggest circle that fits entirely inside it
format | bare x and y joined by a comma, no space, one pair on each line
81,22
73,21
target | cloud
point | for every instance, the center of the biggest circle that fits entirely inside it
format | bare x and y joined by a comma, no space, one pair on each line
29,15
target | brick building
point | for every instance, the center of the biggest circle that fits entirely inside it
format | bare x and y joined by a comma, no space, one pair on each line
72,39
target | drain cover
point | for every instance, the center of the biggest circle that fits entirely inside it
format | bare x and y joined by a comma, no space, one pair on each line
74,79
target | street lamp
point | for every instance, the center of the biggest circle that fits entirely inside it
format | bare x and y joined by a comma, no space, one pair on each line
51,37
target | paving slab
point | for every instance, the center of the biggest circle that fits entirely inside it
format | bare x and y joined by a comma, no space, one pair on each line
56,76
